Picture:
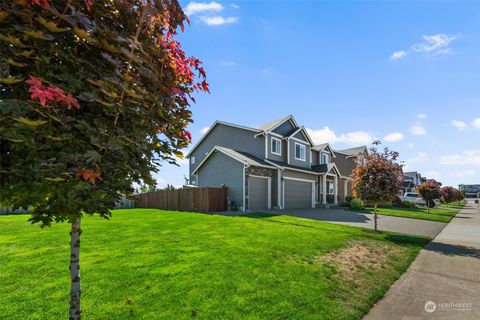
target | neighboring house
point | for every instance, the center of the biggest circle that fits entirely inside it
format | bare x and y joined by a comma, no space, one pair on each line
411,181
346,161
471,190
274,166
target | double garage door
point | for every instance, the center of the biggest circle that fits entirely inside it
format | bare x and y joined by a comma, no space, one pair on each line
298,194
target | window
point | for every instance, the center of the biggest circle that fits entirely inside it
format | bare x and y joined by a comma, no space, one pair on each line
192,160
300,151
276,146
325,158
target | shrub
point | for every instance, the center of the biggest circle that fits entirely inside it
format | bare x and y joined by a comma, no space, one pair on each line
408,204
348,199
386,204
356,204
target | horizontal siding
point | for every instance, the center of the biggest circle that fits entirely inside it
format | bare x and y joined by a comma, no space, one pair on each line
299,163
219,170
229,137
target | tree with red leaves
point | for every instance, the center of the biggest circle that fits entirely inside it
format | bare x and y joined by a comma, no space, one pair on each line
377,177
449,194
94,96
429,191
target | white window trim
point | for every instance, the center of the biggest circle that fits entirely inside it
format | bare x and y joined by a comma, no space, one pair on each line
279,143
321,157
304,153
192,159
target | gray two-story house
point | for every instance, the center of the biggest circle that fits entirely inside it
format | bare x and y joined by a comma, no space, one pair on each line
274,166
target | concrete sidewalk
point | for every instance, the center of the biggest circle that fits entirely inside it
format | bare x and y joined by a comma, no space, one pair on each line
444,281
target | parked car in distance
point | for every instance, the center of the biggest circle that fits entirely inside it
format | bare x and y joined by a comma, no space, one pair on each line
413,197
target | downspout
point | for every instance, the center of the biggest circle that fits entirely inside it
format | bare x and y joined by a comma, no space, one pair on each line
244,167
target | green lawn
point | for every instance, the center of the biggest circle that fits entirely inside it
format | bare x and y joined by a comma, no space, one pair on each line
442,213
152,264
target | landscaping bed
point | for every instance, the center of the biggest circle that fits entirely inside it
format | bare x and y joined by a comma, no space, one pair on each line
152,264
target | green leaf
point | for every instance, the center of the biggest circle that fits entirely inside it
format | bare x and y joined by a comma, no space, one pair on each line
31,123
10,80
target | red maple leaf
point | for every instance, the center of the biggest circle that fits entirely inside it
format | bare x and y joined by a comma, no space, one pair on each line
41,93
69,101
34,81
42,3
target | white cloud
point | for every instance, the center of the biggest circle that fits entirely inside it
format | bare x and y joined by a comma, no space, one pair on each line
351,138
432,44
418,130
471,157
476,123
462,174
228,63
421,116
196,7
432,174
397,55
218,20
234,6
393,137
204,130
210,11
437,43
410,145
460,125
421,157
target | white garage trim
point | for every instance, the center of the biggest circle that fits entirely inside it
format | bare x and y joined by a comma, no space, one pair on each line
301,180
269,189
243,209
279,194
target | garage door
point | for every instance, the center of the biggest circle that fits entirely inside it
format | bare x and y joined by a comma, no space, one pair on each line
298,194
257,193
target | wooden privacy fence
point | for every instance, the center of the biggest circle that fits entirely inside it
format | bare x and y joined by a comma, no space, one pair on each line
192,199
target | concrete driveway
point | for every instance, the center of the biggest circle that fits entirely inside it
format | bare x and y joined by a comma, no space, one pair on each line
417,227
444,280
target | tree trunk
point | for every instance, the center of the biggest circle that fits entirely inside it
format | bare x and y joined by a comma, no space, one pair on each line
375,217
75,310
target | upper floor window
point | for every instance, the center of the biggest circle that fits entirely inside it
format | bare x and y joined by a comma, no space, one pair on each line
192,160
325,158
276,146
300,151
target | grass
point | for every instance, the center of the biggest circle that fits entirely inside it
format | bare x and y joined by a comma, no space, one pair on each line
152,264
442,213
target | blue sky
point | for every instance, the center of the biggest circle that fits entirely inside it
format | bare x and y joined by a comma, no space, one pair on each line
407,73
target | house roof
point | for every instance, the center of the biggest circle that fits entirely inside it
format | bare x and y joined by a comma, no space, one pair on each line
275,123
323,146
243,157
407,184
228,124
353,151
317,170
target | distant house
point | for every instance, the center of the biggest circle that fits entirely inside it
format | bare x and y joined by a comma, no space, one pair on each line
276,165
471,190
411,181
346,161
